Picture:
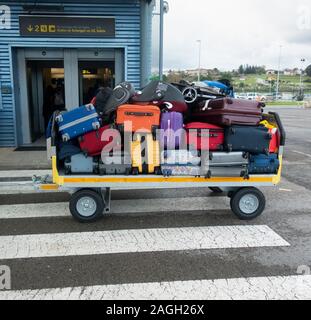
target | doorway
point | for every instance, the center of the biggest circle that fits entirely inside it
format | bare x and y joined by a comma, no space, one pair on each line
54,78
46,93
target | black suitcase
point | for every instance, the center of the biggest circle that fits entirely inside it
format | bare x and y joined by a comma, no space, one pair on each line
255,140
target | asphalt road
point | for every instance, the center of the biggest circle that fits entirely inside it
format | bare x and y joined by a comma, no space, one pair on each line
187,254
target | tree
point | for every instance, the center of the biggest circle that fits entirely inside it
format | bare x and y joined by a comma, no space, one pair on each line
308,71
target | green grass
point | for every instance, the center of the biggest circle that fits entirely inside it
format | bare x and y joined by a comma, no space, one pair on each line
283,103
287,83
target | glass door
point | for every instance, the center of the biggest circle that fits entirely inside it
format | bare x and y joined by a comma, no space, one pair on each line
93,75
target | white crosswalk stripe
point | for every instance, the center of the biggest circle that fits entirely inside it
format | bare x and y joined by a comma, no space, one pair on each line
143,240
272,288
117,206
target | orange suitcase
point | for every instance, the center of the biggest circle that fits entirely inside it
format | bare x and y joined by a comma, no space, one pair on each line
138,118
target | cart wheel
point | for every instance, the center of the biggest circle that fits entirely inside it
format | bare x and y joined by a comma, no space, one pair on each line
86,205
248,203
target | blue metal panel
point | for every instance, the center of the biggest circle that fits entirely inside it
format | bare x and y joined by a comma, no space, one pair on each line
128,31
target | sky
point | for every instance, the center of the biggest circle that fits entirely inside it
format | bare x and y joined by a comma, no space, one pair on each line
235,32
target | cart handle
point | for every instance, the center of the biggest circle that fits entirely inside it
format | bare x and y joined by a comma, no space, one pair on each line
280,126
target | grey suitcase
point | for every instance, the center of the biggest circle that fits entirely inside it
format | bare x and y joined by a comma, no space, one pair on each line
79,163
181,170
120,163
232,164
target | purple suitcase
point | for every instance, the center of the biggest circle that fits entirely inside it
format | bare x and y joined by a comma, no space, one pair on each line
171,130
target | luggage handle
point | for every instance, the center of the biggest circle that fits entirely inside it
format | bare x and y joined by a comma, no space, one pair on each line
139,114
281,128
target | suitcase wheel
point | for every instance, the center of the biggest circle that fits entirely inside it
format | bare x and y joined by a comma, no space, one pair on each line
128,171
167,173
135,172
65,137
208,174
157,171
96,125
59,118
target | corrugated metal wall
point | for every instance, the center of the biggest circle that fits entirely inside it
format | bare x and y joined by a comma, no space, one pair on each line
127,14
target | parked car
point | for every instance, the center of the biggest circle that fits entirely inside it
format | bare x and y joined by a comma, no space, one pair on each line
256,97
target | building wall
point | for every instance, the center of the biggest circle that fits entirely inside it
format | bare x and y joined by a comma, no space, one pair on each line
128,35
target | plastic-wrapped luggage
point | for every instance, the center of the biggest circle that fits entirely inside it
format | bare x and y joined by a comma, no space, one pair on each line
264,164
232,164
171,136
248,139
228,111
93,143
162,94
205,136
79,163
136,118
145,154
117,163
181,163
77,122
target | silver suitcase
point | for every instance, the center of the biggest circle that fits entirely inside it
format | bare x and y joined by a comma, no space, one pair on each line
225,159
120,163
232,164
79,163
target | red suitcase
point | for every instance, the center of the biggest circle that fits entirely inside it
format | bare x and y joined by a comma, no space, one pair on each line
198,139
94,142
228,111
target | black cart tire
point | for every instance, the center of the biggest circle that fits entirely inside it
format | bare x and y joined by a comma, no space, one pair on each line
87,205
248,203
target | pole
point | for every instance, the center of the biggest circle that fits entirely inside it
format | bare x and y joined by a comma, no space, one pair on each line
301,73
199,68
278,79
161,40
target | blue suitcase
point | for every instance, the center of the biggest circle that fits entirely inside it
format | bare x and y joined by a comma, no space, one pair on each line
78,122
264,164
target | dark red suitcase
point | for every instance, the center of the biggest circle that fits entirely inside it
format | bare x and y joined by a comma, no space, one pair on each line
213,139
94,142
228,111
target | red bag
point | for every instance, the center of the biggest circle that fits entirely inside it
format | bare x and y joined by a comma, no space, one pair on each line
275,140
94,142
213,140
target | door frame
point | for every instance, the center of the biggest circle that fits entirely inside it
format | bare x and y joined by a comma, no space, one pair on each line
18,98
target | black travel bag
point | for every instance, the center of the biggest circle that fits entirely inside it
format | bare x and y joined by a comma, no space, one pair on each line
251,139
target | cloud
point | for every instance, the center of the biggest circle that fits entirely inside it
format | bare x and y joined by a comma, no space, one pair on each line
236,32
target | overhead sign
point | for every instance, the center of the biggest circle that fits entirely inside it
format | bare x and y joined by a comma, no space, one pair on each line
66,26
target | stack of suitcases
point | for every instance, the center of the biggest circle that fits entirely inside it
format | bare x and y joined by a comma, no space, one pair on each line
154,132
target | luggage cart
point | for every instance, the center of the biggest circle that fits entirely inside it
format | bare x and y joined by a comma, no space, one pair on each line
91,194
